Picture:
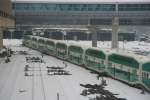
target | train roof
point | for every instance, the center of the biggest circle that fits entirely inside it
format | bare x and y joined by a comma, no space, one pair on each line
106,51
45,39
62,42
140,58
84,47
82,1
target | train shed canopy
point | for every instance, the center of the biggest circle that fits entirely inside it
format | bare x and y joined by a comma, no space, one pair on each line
84,1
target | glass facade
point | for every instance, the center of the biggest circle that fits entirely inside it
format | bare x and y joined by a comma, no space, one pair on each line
35,13
134,7
45,7
131,21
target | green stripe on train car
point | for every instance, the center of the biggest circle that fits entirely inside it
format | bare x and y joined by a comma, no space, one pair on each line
146,66
61,45
75,54
90,56
41,41
50,47
75,49
50,43
124,60
95,53
34,39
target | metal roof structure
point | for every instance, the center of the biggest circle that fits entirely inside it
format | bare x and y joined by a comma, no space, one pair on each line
82,1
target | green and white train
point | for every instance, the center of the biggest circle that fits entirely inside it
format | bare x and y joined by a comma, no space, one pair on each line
127,67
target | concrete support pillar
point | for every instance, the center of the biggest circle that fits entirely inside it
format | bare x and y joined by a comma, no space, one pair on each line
64,35
115,27
87,35
93,31
94,39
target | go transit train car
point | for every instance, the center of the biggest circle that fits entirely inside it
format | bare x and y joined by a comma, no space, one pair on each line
76,54
128,67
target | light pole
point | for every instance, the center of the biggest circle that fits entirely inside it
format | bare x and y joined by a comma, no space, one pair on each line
11,34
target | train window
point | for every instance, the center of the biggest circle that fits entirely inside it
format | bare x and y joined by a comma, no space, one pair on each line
110,64
114,65
145,75
121,66
80,56
134,71
102,61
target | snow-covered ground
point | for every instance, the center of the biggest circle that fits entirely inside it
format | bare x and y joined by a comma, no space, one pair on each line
12,42
130,45
135,46
15,86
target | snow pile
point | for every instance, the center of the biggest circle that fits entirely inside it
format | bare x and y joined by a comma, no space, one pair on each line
2,50
12,42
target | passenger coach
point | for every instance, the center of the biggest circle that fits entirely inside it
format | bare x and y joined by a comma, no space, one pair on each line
76,54
123,67
61,50
50,47
128,67
95,59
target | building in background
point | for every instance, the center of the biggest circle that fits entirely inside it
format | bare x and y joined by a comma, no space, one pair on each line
6,18
51,13
127,16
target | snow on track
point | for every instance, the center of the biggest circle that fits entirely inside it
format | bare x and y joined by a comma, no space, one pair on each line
15,86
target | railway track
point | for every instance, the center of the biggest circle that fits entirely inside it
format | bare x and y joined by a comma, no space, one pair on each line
42,83
37,78
33,78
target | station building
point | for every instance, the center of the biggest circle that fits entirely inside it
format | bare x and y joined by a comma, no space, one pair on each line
113,14
6,18
79,12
